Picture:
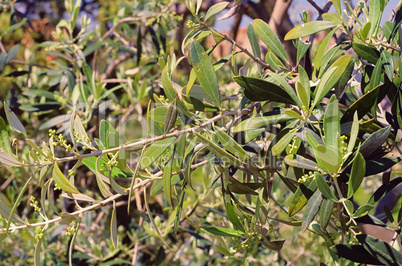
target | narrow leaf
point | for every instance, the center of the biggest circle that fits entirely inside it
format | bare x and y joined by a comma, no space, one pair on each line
155,151
13,120
324,188
312,208
308,28
5,143
221,231
152,219
233,217
215,9
257,89
326,209
332,127
357,174
62,181
301,196
113,227
331,77
9,160
268,36
205,72
231,145
252,37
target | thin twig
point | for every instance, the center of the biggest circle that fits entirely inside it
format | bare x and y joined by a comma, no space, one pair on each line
89,208
390,46
316,6
393,11
244,50
139,144
19,62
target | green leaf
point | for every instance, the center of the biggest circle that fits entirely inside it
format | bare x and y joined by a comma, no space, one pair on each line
374,141
215,9
302,49
104,189
388,64
328,158
308,28
293,113
282,144
268,36
353,133
380,250
331,77
326,210
231,145
155,151
252,37
356,175
37,252
332,126
233,217
355,253
10,160
344,79
363,210
273,245
365,30
312,208
257,89
167,179
152,219
303,88
366,52
5,212
338,7
285,85
157,185
205,72
5,143
223,250
113,228
320,54
274,61
324,188
218,151
13,120
298,161
115,171
171,93
380,165
361,105
332,17
221,231
92,47
301,196
61,181
261,122
171,117
376,7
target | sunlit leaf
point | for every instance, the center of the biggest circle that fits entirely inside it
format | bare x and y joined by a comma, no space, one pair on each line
215,9
222,231
308,28
324,188
205,72
155,151
268,36
13,120
62,181
312,208
257,89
